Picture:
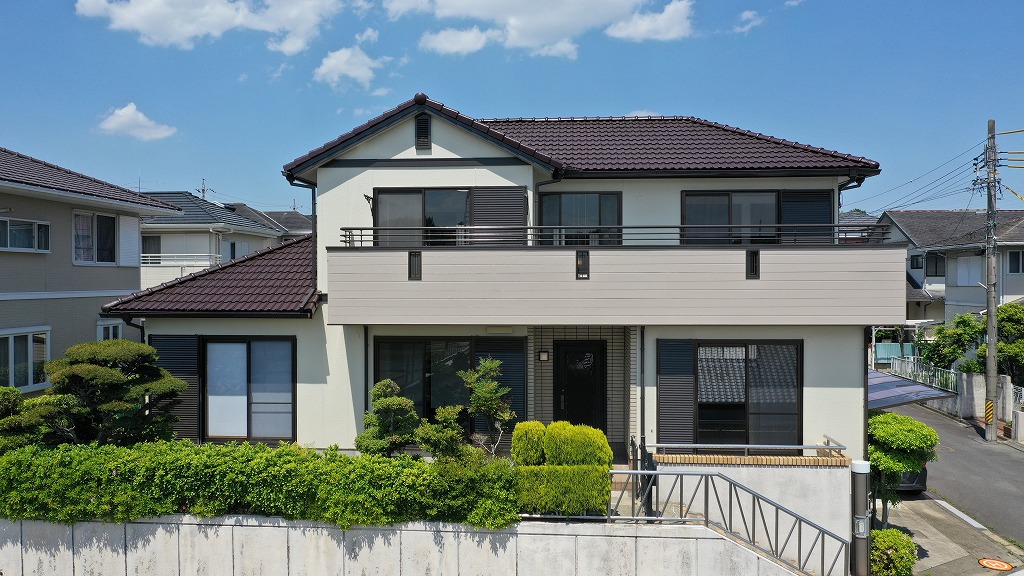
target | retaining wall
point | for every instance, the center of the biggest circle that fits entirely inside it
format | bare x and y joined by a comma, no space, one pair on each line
246,545
970,402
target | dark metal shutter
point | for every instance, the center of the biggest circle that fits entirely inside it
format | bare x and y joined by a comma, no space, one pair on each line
499,207
805,207
512,353
677,400
179,355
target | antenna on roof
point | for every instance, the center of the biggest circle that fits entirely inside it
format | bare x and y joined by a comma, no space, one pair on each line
202,191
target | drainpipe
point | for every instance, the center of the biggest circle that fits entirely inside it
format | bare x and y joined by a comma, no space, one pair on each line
643,385
366,368
141,328
312,194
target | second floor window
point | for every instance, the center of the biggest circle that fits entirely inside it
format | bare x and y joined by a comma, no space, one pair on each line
756,217
582,218
95,238
435,213
24,235
1014,261
935,265
916,261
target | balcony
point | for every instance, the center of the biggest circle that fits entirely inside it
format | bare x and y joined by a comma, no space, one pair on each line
616,275
160,268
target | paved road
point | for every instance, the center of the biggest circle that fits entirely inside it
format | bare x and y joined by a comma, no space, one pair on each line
983,479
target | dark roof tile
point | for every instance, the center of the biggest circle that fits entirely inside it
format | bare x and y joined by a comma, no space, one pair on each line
195,210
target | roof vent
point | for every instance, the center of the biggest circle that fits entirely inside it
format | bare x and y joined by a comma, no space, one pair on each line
423,132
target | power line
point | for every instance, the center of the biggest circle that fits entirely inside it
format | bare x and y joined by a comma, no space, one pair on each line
973,146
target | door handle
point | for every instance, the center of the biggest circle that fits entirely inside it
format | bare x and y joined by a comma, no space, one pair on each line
563,402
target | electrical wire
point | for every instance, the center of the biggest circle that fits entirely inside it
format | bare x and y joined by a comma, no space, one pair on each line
973,146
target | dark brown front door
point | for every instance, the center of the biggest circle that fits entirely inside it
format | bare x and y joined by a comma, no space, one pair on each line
580,383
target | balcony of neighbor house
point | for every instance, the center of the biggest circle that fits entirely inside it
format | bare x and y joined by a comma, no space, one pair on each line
793,274
159,268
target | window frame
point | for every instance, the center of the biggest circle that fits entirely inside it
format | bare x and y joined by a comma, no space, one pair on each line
37,226
917,261
94,236
746,234
603,238
204,389
1015,256
29,331
420,239
932,260
109,324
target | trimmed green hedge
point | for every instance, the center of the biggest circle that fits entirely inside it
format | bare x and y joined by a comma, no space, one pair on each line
893,553
564,490
528,443
569,445
116,484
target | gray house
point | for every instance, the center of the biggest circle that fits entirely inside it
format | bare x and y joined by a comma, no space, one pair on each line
68,244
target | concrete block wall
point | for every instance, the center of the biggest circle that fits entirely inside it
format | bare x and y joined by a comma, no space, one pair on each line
969,403
245,545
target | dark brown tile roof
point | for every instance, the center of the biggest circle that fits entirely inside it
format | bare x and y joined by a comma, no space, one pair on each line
18,168
956,227
662,144
275,281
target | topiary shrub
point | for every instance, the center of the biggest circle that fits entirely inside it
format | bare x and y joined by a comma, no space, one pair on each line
528,443
564,490
897,444
568,445
392,424
893,553
445,438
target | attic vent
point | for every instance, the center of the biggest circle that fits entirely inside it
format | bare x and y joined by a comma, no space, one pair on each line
423,132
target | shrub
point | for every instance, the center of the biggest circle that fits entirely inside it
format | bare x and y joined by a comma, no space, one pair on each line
487,401
564,490
445,438
528,443
897,444
392,424
893,553
567,445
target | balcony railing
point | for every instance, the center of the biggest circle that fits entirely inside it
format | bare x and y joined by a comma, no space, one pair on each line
200,260
689,235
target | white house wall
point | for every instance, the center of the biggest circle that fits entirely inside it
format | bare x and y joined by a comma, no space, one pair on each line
834,376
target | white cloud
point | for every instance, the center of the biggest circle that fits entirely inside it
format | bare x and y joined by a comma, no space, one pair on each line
791,3
381,92
748,20
276,73
452,41
561,49
179,23
672,23
398,8
368,35
131,122
350,63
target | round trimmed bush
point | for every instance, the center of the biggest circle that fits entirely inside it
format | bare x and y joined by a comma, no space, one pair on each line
893,553
568,445
528,443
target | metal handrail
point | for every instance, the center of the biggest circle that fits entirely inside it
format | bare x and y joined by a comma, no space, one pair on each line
179,259
607,235
913,368
830,444
737,512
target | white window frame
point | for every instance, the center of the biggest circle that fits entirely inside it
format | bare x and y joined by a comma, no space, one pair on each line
35,235
117,239
1017,255
111,325
10,334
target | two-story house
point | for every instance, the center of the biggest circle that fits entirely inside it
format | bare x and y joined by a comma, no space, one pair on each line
946,257
665,277
68,244
203,234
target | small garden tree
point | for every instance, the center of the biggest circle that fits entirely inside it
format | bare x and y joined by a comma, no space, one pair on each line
952,341
445,438
487,401
897,445
109,392
392,424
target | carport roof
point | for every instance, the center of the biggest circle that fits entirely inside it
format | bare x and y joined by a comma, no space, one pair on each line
886,390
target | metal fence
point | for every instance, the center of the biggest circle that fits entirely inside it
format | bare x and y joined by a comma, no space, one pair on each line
1018,397
733,510
914,369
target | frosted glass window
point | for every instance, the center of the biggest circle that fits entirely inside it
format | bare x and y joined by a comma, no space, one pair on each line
272,405
226,389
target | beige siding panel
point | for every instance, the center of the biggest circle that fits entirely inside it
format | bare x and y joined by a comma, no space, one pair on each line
627,286
72,320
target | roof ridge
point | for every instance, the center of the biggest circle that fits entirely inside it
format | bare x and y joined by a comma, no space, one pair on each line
75,173
206,271
205,205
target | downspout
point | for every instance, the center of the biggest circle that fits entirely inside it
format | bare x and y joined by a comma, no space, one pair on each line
366,368
140,327
312,188
643,384
855,181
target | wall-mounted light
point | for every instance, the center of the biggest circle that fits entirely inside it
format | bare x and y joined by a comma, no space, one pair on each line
543,355
6,210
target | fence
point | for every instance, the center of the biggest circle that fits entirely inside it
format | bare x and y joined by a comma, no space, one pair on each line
913,369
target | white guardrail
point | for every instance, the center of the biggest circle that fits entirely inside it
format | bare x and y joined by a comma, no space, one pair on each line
913,369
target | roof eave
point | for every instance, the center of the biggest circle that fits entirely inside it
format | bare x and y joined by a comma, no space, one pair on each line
576,173
82,198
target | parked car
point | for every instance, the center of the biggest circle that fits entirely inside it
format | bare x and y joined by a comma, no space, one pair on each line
914,482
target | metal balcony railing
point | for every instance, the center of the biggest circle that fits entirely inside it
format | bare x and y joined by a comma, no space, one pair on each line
689,235
830,447
202,260
914,369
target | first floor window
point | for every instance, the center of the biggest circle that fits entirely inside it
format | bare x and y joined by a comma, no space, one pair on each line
23,352
250,388
95,238
426,369
729,392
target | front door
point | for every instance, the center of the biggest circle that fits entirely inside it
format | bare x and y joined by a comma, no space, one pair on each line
580,384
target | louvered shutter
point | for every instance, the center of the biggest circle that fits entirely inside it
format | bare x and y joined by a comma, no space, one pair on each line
677,406
128,241
179,355
805,207
512,353
499,207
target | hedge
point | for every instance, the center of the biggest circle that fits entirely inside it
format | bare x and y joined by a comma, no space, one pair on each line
528,443
116,484
568,445
564,490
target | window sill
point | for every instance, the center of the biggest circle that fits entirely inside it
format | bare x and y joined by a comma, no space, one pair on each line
98,264
33,388
25,250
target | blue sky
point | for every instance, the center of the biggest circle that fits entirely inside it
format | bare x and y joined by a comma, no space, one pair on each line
159,94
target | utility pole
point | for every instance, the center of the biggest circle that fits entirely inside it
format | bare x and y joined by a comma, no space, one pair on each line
202,191
991,376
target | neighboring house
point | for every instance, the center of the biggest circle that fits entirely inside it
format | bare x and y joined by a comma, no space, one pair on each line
204,234
292,224
664,277
946,259
68,244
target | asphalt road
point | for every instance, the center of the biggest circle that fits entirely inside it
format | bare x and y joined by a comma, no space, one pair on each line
983,479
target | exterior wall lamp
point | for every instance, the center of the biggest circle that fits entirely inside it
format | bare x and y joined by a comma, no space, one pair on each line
543,356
